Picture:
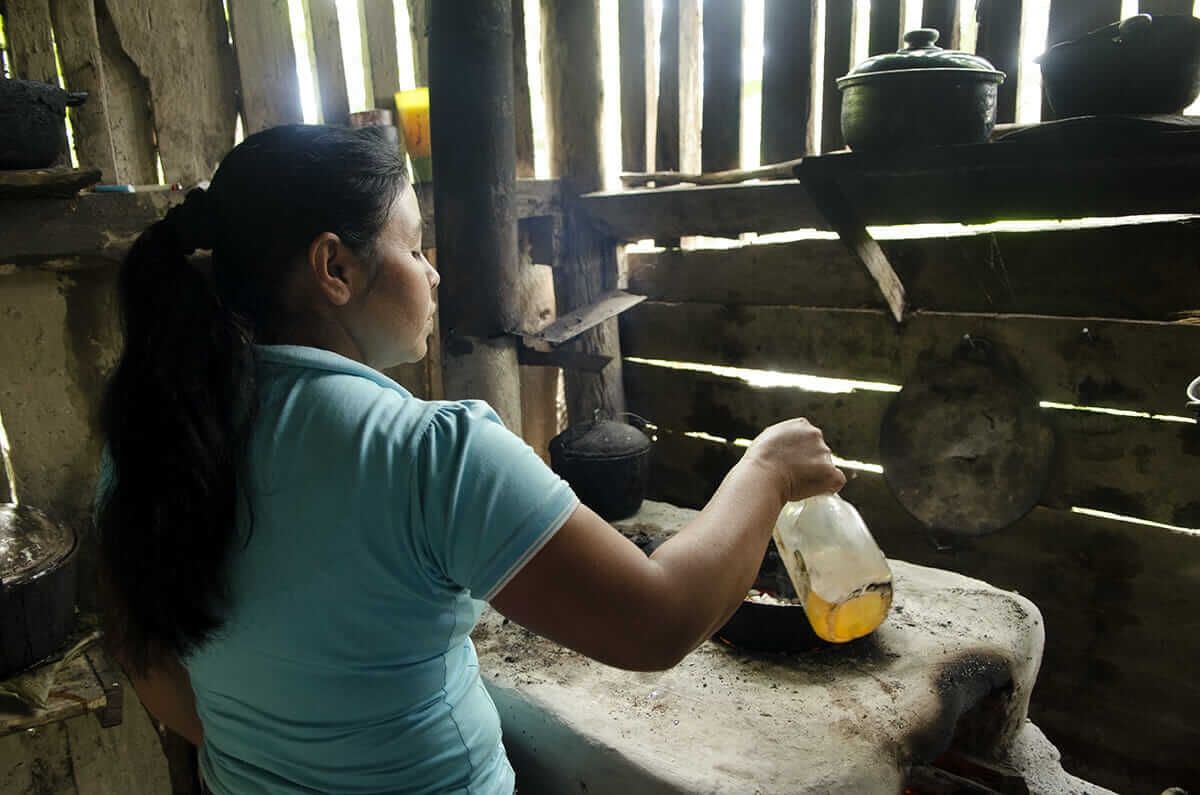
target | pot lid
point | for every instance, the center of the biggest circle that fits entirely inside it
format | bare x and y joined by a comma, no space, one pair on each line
30,543
921,52
605,439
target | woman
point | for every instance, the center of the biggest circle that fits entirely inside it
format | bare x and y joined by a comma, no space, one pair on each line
294,550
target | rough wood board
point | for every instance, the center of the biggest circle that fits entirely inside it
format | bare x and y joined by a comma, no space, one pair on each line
999,41
381,45
1135,271
570,325
40,183
75,691
721,125
1180,7
182,49
266,59
522,106
1125,465
884,28
666,147
839,25
631,18
418,28
718,211
1137,365
78,40
787,79
327,53
130,118
28,29
942,16
690,85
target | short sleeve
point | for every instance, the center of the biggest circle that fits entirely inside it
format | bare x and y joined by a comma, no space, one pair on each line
488,502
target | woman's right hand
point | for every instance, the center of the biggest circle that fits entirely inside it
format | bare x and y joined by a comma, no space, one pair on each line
794,455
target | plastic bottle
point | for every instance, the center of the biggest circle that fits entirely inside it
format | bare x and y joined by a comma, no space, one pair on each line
840,575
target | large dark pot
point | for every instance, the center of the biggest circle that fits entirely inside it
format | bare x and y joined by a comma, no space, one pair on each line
757,626
607,463
37,587
31,122
1140,65
918,97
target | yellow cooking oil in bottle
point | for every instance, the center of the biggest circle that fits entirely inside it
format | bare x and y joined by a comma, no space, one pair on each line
840,575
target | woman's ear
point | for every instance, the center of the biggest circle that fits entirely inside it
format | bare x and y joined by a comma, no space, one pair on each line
334,268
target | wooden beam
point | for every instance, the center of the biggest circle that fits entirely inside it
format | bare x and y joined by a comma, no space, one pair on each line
1133,272
884,27
845,219
571,77
1070,19
30,40
942,16
839,27
262,37
631,17
1120,364
78,41
384,60
327,53
691,82
721,128
999,41
787,79
522,106
570,325
667,133
194,108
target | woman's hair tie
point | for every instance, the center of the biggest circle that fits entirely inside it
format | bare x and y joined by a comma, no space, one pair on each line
192,222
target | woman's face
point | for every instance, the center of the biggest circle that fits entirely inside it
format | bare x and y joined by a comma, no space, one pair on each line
395,315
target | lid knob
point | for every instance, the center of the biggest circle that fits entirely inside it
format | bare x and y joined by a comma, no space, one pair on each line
921,39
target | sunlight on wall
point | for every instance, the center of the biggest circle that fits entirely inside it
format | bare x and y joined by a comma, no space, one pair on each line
5,450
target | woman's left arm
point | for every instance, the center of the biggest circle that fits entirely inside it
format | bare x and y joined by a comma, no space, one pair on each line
166,691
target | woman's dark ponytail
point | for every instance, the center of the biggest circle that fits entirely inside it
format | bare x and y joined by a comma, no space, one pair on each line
178,410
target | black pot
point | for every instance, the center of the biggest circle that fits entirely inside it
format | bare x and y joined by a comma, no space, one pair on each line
607,464
32,115
919,97
1141,65
758,626
37,587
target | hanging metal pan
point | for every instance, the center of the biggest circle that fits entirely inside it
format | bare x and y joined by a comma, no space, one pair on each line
965,447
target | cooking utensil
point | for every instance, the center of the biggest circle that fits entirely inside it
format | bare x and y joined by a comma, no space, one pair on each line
37,586
607,463
761,626
965,447
1193,393
920,96
1143,64
32,115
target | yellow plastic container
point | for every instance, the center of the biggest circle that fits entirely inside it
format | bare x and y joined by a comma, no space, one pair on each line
413,107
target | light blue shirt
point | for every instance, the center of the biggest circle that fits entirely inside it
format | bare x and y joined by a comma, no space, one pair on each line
381,525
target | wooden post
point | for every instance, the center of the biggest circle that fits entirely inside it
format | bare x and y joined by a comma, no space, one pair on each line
572,80
418,23
839,25
667,135
1070,19
331,70
83,70
787,80
884,35
471,113
631,16
383,59
721,129
999,41
690,85
262,37
942,16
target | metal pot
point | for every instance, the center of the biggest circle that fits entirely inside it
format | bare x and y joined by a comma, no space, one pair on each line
918,97
1140,65
32,115
607,463
759,626
37,587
